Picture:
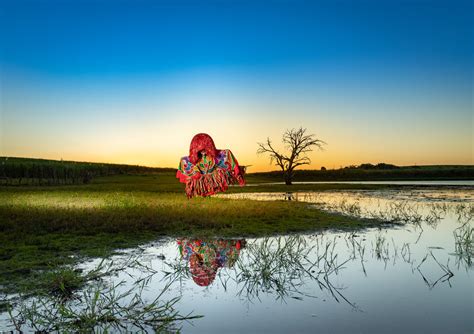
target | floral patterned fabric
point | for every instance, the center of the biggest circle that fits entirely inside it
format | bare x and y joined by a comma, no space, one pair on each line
205,257
210,175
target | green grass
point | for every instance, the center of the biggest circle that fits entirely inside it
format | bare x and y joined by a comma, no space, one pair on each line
44,228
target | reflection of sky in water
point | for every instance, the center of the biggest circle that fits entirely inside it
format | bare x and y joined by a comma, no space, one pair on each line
394,182
382,280
391,296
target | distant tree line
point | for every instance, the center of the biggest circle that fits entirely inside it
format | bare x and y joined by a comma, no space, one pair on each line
380,165
18,171
381,171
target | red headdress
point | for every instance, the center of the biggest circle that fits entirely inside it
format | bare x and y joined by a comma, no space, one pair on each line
202,274
202,142
207,170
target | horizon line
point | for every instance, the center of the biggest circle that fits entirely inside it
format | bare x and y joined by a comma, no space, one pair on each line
268,171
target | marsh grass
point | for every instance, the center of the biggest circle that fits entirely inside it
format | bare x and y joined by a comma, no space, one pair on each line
464,244
43,230
279,267
177,271
62,282
92,303
446,275
387,251
272,266
358,204
293,266
381,249
396,212
465,212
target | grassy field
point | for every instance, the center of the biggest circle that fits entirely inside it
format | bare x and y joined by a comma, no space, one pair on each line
42,228
30,171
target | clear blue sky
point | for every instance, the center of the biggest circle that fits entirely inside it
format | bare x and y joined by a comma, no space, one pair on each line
330,63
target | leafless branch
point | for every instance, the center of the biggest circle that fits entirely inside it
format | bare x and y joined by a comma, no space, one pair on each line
298,143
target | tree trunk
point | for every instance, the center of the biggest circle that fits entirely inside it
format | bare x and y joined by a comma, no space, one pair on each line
288,178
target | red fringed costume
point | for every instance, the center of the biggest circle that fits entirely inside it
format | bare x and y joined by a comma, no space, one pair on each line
206,257
207,170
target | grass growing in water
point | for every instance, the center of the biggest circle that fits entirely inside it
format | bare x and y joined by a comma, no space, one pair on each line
281,266
99,306
464,244
43,228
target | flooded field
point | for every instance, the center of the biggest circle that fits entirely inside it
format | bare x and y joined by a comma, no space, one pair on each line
411,276
390,182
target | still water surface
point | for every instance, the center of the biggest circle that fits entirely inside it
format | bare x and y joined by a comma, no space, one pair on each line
408,278
413,277
392,182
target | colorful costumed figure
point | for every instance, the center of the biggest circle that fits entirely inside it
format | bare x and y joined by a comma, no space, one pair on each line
207,170
207,256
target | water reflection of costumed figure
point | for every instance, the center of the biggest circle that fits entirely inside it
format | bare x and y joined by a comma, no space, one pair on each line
207,170
206,257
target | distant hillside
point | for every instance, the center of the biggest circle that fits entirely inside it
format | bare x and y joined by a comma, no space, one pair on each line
18,171
379,172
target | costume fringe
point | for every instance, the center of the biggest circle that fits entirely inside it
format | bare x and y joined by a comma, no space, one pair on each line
212,183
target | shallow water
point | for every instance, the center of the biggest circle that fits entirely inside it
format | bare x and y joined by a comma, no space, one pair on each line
394,182
412,277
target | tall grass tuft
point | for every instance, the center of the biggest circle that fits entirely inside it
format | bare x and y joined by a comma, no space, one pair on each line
99,306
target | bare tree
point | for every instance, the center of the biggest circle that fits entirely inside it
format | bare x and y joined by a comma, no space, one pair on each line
298,143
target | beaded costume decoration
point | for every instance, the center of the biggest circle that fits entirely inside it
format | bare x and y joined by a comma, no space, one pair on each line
207,170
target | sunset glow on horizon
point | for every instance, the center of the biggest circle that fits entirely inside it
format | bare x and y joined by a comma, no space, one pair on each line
132,82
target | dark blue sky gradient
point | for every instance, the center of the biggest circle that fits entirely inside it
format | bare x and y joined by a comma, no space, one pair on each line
132,81
94,38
